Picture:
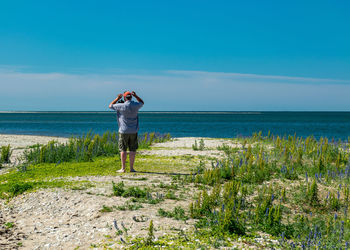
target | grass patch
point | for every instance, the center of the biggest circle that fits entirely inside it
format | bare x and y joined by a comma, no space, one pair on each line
44,174
129,206
171,195
11,189
135,179
106,209
178,213
101,166
138,195
9,225
164,164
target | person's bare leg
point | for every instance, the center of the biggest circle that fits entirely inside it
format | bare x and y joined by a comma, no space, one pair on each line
123,156
132,160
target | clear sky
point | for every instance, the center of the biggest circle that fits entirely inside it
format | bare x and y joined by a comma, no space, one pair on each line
177,55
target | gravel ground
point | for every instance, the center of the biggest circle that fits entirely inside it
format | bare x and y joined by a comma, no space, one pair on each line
63,218
66,218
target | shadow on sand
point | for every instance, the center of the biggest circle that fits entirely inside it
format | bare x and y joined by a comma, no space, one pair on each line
145,172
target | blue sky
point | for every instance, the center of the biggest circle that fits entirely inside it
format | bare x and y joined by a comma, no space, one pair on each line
178,55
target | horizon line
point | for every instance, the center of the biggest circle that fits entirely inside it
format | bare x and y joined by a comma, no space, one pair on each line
192,111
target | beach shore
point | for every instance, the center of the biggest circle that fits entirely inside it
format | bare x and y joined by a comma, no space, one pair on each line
52,218
34,214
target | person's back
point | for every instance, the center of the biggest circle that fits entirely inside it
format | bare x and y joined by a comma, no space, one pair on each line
127,114
128,123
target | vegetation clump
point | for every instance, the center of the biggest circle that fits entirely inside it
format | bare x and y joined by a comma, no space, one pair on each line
84,148
120,190
198,146
284,163
5,154
178,213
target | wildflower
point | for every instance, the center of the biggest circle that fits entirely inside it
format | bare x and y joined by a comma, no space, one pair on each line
306,177
346,211
335,216
267,212
116,225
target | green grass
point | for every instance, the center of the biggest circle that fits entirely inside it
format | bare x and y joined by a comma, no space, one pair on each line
178,213
106,209
44,174
129,206
5,154
47,171
9,224
11,189
165,164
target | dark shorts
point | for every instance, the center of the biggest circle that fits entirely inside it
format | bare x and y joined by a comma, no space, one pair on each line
128,141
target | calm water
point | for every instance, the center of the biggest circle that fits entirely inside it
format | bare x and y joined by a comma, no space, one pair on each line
181,124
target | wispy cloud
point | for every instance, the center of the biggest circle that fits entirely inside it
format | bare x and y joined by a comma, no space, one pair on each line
255,76
170,90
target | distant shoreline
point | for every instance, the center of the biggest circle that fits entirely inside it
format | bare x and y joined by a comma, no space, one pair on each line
167,112
32,135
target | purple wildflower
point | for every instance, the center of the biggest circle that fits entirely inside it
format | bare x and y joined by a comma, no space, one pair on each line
267,212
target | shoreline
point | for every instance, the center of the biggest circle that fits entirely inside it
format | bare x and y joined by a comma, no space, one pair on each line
22,140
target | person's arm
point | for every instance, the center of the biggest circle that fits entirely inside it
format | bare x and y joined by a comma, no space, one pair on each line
115,101
137,97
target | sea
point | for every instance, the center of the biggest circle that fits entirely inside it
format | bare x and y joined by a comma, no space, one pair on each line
334,125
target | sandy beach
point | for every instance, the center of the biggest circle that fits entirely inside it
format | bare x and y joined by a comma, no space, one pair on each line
82,204
69,217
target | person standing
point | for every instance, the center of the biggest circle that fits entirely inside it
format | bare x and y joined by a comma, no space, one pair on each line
128,123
